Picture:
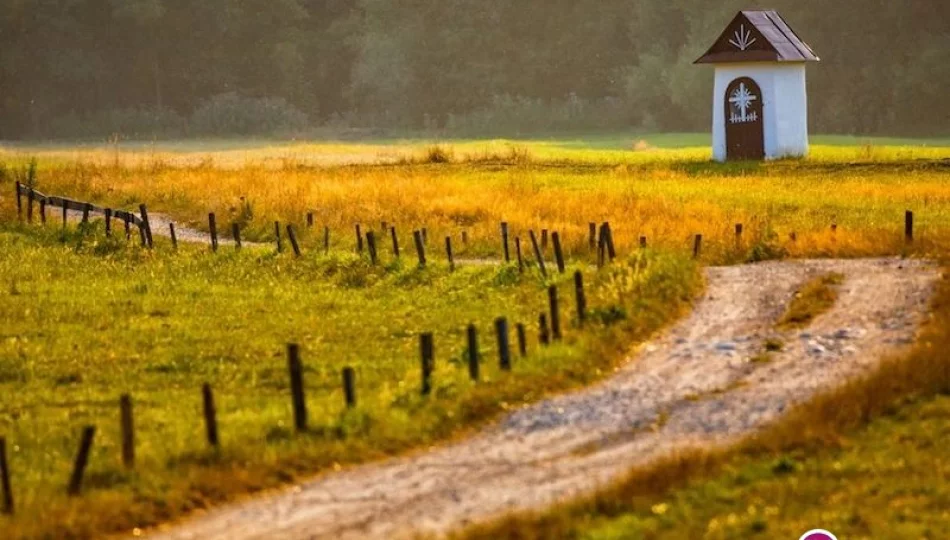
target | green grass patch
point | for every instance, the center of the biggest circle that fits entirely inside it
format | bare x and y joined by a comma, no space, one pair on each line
87,318
815,297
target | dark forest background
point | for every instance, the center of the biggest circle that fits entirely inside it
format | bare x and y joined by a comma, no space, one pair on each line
171,68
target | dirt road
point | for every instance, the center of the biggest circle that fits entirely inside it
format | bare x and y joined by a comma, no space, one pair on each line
695,384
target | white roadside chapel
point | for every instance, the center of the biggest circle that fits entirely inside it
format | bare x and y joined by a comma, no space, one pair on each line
760,102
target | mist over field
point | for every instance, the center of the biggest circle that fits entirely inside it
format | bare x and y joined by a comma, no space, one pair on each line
173,68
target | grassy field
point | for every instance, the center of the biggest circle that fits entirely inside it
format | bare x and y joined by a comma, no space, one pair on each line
87,318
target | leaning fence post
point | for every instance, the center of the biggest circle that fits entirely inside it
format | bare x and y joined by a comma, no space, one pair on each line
504,348
558,254
171,231
19,201
280,244
555,313
212,226
504,240
145,222
580,297
427,347
537,253
420,247
293,240
522,340
296,386
349,386
236,234
472,337
448,253
5,478
128,430
359,239
210,414
909,226
82,459
392,233
371,245
697,245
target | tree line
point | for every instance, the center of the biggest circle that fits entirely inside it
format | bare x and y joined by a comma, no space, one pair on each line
141,68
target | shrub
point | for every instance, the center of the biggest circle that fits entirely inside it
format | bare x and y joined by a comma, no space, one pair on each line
128,123
232,114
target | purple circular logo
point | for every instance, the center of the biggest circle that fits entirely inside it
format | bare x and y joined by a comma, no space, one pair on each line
818,534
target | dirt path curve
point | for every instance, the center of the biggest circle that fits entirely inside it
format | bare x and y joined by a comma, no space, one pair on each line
695,384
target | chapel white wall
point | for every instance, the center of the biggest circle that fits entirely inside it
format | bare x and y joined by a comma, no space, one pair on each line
784,106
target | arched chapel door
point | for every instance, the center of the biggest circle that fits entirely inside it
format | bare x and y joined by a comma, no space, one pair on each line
744,132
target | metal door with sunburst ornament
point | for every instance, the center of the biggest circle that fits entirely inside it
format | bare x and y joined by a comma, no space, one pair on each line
744,131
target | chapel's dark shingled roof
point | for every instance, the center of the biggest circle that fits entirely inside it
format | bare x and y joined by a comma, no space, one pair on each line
768,39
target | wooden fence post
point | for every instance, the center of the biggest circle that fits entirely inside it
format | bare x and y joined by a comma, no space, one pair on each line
142,236
592,236
82,459
42,210
448,253
292,236
697,245
127,221
464,239
295,368
5,478
522,340
145,222
504,348
359,239
611,251
108,213
371,245
236,234
420,247
602,246
909,227
544,335
738,235
518,252
558,254
427,350
349,386
19,201
210,414
309,220
171,230
537,253
395,237
326,240
580,298
86,209
280,244
555,313
425,236
472,336
127,426
504,240
214,231
65,215
643,242
544,240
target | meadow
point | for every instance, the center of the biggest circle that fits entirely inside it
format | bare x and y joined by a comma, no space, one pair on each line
87,318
